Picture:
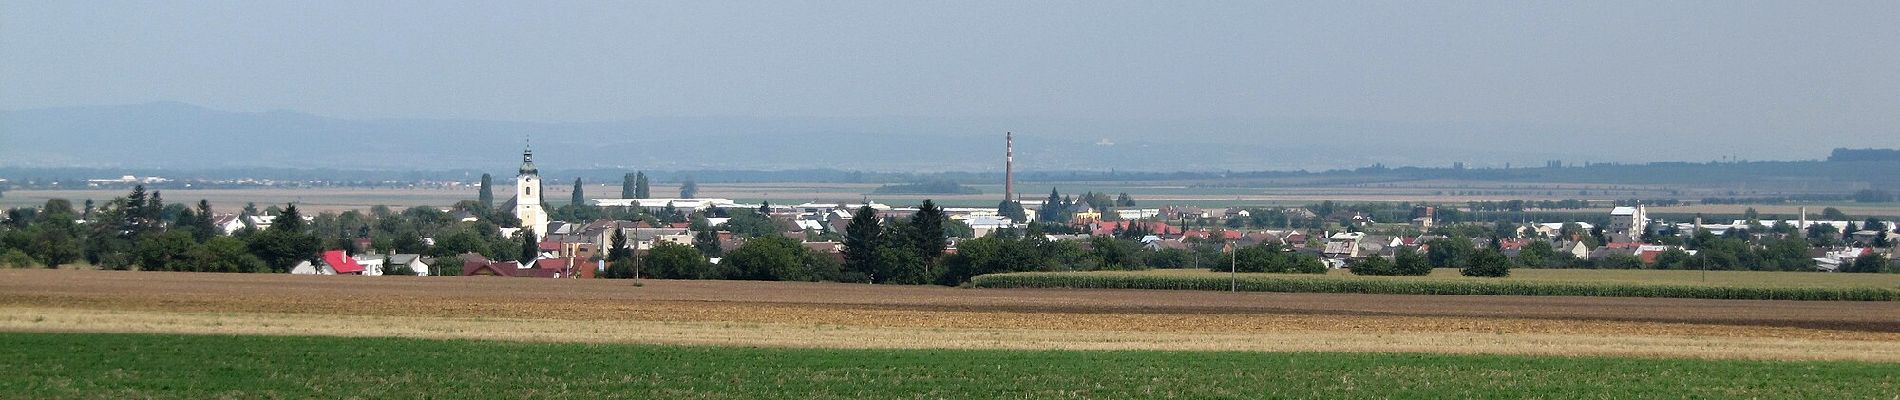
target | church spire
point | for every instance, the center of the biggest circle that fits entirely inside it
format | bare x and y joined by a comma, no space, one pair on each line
527,161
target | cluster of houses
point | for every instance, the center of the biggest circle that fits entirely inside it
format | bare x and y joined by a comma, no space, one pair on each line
573,249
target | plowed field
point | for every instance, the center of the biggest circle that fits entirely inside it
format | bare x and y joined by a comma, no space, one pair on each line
867,316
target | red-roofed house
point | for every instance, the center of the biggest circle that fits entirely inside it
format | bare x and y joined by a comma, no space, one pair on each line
337,262
562,267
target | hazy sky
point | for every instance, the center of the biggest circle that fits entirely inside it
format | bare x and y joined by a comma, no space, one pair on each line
1723,74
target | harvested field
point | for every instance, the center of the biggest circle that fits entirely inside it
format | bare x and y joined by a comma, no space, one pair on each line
824,315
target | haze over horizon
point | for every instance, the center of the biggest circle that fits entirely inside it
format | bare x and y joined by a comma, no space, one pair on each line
1341,84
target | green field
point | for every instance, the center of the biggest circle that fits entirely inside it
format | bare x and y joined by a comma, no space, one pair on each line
44,365
1532,282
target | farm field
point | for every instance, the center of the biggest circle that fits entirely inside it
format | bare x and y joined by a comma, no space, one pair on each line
219,366
826,315
1759,285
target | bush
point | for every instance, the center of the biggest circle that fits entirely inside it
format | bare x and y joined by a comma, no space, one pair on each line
1487,263
1374,265
16,259
1371,285
1409,262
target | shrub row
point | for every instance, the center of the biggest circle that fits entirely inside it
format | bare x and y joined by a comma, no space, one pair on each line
1316,284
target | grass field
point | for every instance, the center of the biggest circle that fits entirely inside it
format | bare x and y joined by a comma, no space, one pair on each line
215,366
1526,282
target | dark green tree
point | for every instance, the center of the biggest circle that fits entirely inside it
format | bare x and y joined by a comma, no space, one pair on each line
1013,210
530,247
1051,210
1537,254
617,246
1867,263
1411,262
861,240
768,258
203,228
689,189
707,242
929,237
1375,265
577,198
628,186
289,221
487,194
668,260
1487,263
640,188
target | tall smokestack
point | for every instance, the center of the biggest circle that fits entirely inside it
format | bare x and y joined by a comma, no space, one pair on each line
1009,165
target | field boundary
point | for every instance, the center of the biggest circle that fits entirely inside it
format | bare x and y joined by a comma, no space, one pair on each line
1498,287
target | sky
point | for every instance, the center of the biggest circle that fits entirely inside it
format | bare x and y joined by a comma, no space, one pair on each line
1754,79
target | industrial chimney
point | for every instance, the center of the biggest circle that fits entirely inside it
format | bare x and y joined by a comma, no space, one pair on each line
1009,166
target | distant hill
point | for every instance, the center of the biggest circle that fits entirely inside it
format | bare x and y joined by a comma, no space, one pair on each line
177,135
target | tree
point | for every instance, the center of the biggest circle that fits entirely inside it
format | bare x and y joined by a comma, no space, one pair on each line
668,260
640,188
576,198
1869,262
203,229
689,189
1124,201
281,249
165,252
1620,261
1537,254
629,186
1115,254
861,240
1410,262
1013,210
707,242
1374,265
530,247
620,269
1449,252
1487,263
768,258
54,243
927,226
1833,214
1051,209
289,221
487,194
617,246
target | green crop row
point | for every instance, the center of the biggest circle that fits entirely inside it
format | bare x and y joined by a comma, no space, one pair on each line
1323,284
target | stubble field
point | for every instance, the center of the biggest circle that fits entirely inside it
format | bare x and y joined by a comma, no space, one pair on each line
863,316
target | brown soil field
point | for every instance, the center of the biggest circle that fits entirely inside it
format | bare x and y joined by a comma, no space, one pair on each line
855,315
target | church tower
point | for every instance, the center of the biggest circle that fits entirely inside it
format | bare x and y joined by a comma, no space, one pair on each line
528,195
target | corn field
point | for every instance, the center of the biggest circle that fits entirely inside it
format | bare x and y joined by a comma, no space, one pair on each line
1325,284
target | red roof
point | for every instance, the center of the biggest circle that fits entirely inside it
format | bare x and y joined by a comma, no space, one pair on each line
341,262
1105,228
549,245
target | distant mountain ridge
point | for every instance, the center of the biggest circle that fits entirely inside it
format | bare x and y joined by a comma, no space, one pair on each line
178,135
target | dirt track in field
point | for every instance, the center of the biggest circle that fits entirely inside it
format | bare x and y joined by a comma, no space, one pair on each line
817,314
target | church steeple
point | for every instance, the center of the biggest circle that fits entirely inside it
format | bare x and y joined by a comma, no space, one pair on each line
527,161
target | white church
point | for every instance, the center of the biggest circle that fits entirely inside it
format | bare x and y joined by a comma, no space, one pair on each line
528,206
